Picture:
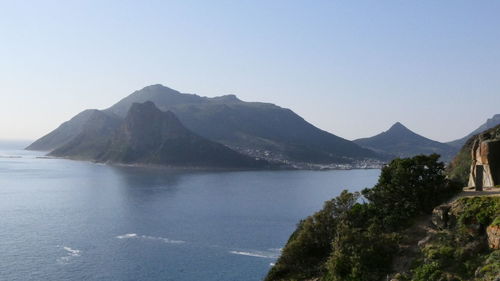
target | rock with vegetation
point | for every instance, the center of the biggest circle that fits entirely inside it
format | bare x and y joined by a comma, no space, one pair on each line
460,168
460,251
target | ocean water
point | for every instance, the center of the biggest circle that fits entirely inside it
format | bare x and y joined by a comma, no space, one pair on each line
71,220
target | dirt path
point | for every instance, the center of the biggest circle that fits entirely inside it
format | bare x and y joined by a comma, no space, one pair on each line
492,191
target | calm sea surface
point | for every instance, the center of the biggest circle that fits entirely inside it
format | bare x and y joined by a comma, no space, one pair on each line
70,220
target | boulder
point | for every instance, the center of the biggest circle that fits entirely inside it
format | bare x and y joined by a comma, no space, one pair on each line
440,216
493,232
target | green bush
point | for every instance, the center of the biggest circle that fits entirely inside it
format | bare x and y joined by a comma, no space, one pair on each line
428,272
309,246
409,187
491,268
459,168
361,254
496,221
482,210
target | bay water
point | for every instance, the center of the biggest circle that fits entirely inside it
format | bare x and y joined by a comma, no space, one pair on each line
72,220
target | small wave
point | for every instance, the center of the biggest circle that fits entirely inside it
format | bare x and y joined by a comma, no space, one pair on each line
128,235
270,254
147,237
70,254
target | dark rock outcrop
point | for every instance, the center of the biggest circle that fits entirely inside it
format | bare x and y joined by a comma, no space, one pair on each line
440,216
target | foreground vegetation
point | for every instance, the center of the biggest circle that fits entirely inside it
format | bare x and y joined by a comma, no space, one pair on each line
460,250
357,236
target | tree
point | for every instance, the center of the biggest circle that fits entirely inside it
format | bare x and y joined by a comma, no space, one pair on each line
409,187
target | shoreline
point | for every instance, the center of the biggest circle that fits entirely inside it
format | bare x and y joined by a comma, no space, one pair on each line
283,167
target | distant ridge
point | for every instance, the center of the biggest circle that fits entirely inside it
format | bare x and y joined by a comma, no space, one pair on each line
490,123
399,141
259,130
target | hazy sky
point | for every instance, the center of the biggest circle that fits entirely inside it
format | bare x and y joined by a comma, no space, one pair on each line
349,67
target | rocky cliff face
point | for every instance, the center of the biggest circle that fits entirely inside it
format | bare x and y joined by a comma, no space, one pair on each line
485,166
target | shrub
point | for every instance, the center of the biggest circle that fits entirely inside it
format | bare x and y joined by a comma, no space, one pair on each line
361,254
428,272
310,245
482,210
409,187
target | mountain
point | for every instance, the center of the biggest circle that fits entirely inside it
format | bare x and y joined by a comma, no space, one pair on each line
256,129
399,141
490,123
149,136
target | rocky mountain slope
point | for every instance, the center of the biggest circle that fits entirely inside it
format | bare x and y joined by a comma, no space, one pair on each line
399,141
149,136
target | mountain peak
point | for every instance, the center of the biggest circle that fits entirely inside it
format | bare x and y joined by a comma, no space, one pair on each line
227,98
157,88
400,141
147,115
398,126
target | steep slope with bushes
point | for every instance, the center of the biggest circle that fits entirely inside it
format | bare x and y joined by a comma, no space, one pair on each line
348,240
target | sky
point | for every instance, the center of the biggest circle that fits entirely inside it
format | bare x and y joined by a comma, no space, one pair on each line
352,68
